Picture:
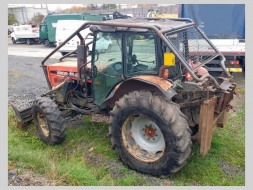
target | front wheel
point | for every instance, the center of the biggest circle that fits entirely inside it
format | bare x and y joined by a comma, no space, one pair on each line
28,41
150,134
49,121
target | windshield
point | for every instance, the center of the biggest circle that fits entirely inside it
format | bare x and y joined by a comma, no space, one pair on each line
191,44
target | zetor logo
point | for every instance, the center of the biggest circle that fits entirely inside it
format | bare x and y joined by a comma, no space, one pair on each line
64,73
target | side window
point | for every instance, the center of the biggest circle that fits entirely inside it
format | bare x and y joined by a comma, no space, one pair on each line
141,54
108,57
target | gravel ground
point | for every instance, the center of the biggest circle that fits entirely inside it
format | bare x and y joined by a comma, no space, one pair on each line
26,79
26,82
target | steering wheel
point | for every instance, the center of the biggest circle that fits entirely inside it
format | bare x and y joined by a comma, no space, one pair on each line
134,60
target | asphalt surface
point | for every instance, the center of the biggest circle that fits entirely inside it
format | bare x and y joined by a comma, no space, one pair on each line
33,50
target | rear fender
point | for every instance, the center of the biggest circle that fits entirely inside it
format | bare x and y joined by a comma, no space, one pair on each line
146,82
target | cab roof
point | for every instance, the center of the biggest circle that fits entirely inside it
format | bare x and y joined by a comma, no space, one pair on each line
139,24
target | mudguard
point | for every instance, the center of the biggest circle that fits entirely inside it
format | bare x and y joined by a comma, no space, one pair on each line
144,82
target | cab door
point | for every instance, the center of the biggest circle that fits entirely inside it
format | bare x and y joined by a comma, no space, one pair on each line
106,66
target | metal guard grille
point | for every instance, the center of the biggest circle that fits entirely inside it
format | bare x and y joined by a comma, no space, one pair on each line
192,46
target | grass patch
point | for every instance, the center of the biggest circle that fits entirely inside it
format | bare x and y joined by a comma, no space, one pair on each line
225,162
85,158
240,90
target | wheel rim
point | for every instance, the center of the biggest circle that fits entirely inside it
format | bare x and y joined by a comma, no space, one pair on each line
43,124
143,139
28,41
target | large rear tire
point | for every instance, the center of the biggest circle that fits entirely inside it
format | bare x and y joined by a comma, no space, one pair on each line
150,134
49,121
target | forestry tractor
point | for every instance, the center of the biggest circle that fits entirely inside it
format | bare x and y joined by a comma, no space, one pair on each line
153,89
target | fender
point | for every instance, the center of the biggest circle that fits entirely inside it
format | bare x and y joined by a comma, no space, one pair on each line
144,82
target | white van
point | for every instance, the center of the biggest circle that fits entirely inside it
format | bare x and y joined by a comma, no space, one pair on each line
67,27
64,29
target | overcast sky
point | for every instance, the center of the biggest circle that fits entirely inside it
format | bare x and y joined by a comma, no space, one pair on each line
62,6
50,6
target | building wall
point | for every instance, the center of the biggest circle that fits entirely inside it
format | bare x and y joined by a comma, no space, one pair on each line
25,14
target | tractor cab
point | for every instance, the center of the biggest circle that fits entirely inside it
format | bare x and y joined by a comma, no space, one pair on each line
132,54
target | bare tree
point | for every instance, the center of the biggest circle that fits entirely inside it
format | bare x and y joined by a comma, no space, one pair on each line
146,5
11,19
109,6
37,18
92,6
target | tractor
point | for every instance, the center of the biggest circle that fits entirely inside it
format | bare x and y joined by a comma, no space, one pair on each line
152,89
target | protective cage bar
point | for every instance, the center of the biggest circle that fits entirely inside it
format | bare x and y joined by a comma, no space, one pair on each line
193,46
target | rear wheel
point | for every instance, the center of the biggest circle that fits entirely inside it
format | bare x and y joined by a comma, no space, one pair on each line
49,121
13,40
150,134
46,43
